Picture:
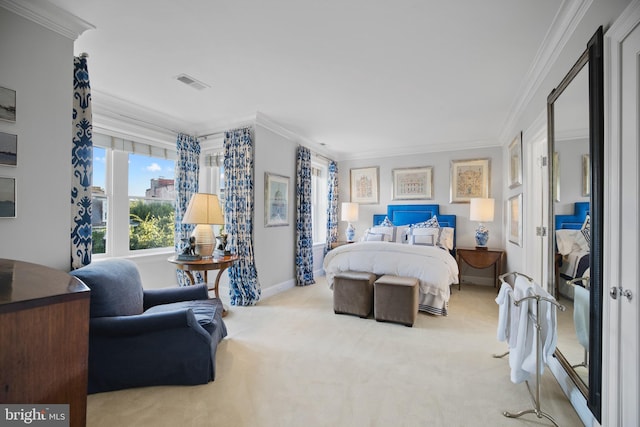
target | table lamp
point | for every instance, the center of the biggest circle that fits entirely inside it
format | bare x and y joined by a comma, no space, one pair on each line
481,210
350,214
204,210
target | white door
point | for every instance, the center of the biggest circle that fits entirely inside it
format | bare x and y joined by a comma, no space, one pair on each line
622,225
538,211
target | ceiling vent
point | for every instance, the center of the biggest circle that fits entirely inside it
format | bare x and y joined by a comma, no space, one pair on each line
190,81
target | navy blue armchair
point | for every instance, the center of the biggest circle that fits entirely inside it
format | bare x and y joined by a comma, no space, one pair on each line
143,337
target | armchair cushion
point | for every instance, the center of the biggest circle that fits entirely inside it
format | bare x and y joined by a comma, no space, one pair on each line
153,297
203,310
116,288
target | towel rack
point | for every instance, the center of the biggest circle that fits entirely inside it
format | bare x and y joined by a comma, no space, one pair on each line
535,399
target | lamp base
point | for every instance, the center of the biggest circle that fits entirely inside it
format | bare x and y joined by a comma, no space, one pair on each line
205,242
351,233
482,237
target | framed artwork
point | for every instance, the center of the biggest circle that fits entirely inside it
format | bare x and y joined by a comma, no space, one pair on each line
7,197
364,185
586,176
412,183
515,161
469,179
8,149
7,104
276,200
515,219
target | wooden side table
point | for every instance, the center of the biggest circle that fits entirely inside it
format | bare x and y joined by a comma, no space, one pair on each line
481,259
204,265
339,243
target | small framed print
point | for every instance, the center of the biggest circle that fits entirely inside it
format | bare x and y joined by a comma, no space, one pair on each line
515,219
8,149
7,104
515,161
276,200
364,185
413,183
7,197
469,179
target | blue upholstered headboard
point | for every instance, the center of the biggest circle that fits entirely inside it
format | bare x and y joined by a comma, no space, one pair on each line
575,221
412,214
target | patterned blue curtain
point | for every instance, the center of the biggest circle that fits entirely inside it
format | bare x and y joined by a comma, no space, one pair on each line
82,166
186,184
244,288
304,219
332,206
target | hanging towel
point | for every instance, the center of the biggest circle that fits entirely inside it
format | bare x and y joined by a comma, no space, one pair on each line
581,315
508,314
525,337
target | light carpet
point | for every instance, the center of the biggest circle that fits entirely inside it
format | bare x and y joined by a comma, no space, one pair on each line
290,361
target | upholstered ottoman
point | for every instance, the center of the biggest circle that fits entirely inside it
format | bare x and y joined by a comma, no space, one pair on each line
353,293
396,299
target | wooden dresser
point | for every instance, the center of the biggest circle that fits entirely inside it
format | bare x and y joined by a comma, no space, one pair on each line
44,337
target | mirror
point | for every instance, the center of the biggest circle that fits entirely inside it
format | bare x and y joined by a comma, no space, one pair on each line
576,148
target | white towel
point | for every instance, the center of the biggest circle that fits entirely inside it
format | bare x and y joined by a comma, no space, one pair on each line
505,302
581,315
525,336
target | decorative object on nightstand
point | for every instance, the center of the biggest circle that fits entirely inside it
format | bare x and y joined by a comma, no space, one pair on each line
350,214
481,210
204,210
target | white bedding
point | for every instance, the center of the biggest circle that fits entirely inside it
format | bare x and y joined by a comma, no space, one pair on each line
434,267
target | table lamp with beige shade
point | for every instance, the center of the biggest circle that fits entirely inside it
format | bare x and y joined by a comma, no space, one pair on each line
204,210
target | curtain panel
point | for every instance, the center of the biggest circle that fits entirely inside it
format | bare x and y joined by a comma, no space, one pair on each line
244,288
332,206
304,219
186,184
82,166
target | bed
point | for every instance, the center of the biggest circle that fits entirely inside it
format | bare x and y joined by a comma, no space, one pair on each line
573,253
417,242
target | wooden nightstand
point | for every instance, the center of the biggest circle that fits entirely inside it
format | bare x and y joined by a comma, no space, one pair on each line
480,258
339,243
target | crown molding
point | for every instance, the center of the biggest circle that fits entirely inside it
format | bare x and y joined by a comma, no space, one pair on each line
562,28
49,16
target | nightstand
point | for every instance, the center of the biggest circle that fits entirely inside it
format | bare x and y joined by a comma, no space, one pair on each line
480,258
339,243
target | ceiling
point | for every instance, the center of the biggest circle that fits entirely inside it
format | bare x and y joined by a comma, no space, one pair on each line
353,77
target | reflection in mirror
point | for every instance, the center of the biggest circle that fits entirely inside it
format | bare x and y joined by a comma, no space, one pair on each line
576,141
571,144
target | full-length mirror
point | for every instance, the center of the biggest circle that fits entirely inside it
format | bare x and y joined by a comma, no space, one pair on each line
576,138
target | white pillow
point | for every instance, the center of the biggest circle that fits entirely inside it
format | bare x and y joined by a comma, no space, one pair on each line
446,238
422,239
374,237
389,232
402,234
569,241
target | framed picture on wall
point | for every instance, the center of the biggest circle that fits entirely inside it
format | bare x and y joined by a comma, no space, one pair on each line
515,161
469,179
7,104
276,200
412,183
7,197
364,185
8,149
515,219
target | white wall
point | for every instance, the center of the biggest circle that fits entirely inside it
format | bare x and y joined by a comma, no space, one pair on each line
38,64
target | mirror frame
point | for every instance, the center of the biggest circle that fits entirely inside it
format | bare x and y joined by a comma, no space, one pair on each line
593,58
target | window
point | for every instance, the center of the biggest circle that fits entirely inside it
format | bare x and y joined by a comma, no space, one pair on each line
319,194
151,202
133,196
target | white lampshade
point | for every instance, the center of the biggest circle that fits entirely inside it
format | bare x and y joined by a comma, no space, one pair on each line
204,210
349,212
481,210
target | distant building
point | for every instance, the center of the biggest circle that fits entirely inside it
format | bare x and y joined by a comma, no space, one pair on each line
161,188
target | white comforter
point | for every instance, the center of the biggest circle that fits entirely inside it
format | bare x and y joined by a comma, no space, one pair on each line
434,267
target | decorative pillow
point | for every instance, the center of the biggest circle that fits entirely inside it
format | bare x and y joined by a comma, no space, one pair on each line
402,234
422,239
431,223
386,222
446,238
586,229
374,237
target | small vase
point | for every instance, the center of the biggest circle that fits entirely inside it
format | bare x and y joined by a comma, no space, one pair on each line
482,236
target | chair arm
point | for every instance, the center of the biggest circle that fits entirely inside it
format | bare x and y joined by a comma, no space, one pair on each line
154,297
122,326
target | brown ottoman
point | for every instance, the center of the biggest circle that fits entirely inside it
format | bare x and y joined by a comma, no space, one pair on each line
353,293
396,299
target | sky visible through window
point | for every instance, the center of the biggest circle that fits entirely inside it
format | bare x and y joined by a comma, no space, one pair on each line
141,170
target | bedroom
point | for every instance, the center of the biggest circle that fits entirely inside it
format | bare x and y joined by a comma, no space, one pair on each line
270,142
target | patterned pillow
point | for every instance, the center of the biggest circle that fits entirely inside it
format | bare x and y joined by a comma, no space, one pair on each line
431,223
586,229
386,222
